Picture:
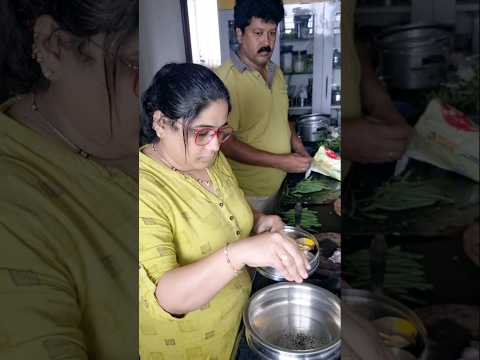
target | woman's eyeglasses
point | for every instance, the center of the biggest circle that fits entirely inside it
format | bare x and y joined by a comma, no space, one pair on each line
203,136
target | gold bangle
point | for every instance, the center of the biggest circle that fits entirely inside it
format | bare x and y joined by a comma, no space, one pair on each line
225,251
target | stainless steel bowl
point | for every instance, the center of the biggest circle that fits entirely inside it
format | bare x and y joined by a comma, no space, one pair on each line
293,321
373,306
314,257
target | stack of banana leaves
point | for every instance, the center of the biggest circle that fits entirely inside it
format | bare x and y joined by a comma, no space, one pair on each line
309,219
400,194
314,190
404,276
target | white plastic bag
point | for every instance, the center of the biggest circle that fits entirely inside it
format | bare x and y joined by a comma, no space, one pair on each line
446,138
327,162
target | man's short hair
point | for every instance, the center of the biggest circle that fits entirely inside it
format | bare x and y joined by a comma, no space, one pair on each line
267,10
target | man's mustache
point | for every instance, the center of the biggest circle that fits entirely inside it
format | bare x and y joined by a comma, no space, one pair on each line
265,49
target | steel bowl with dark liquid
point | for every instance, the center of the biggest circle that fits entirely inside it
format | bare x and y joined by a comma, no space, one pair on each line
293,321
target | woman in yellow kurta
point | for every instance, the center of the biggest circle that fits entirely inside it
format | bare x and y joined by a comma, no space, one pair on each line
195,223
68,194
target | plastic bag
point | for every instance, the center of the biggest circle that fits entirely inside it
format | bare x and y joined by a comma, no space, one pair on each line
446,138
327,162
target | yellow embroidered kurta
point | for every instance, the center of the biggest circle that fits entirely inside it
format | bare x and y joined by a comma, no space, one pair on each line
180,223
69,252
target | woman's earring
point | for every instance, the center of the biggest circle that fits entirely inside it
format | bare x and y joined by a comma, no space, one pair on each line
36,54
38,57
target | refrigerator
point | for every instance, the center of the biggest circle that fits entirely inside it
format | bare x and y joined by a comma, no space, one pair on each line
308,50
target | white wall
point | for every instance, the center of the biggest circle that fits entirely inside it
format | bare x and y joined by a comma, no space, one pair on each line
161,37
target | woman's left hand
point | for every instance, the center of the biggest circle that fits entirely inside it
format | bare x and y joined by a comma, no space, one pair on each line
271,223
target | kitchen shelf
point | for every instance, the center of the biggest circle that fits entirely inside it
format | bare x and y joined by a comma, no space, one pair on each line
400,9
297,110
296,39
298,73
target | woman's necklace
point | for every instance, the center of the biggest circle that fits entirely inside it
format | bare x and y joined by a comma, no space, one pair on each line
36,109
205,183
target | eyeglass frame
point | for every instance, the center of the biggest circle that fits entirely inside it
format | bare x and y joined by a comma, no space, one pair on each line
216,132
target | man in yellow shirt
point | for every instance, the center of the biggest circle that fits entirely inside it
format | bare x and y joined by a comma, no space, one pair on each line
265,147
373,131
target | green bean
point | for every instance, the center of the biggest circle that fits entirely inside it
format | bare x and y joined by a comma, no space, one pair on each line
310,185
309,218
412,299
402,194
403,272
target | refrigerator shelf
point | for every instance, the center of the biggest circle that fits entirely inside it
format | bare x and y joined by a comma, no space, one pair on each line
291,39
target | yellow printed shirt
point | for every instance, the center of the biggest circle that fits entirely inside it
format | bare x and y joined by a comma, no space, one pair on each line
351,71
259,117
180,223
69,253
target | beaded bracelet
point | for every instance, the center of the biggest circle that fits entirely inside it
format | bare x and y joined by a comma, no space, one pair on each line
225,251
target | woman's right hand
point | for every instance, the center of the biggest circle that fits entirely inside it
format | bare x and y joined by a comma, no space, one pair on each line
271,249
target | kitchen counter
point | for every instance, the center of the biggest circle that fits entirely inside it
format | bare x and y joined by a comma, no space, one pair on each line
445,264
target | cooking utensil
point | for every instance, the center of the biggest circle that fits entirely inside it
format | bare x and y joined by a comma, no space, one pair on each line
309,171
373,307
414,56
298,214
378,262
313,127
293,321
298,235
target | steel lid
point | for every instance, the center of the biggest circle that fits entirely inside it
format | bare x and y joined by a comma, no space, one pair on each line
309,118
413,35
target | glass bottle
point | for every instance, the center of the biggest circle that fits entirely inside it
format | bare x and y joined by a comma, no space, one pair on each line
298,62
286,59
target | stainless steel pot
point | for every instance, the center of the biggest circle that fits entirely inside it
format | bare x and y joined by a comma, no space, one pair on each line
314,258
313,127
293,321
373,306
414,56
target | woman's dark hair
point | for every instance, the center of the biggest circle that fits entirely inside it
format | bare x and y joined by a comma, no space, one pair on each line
267,10
117,19
180,91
